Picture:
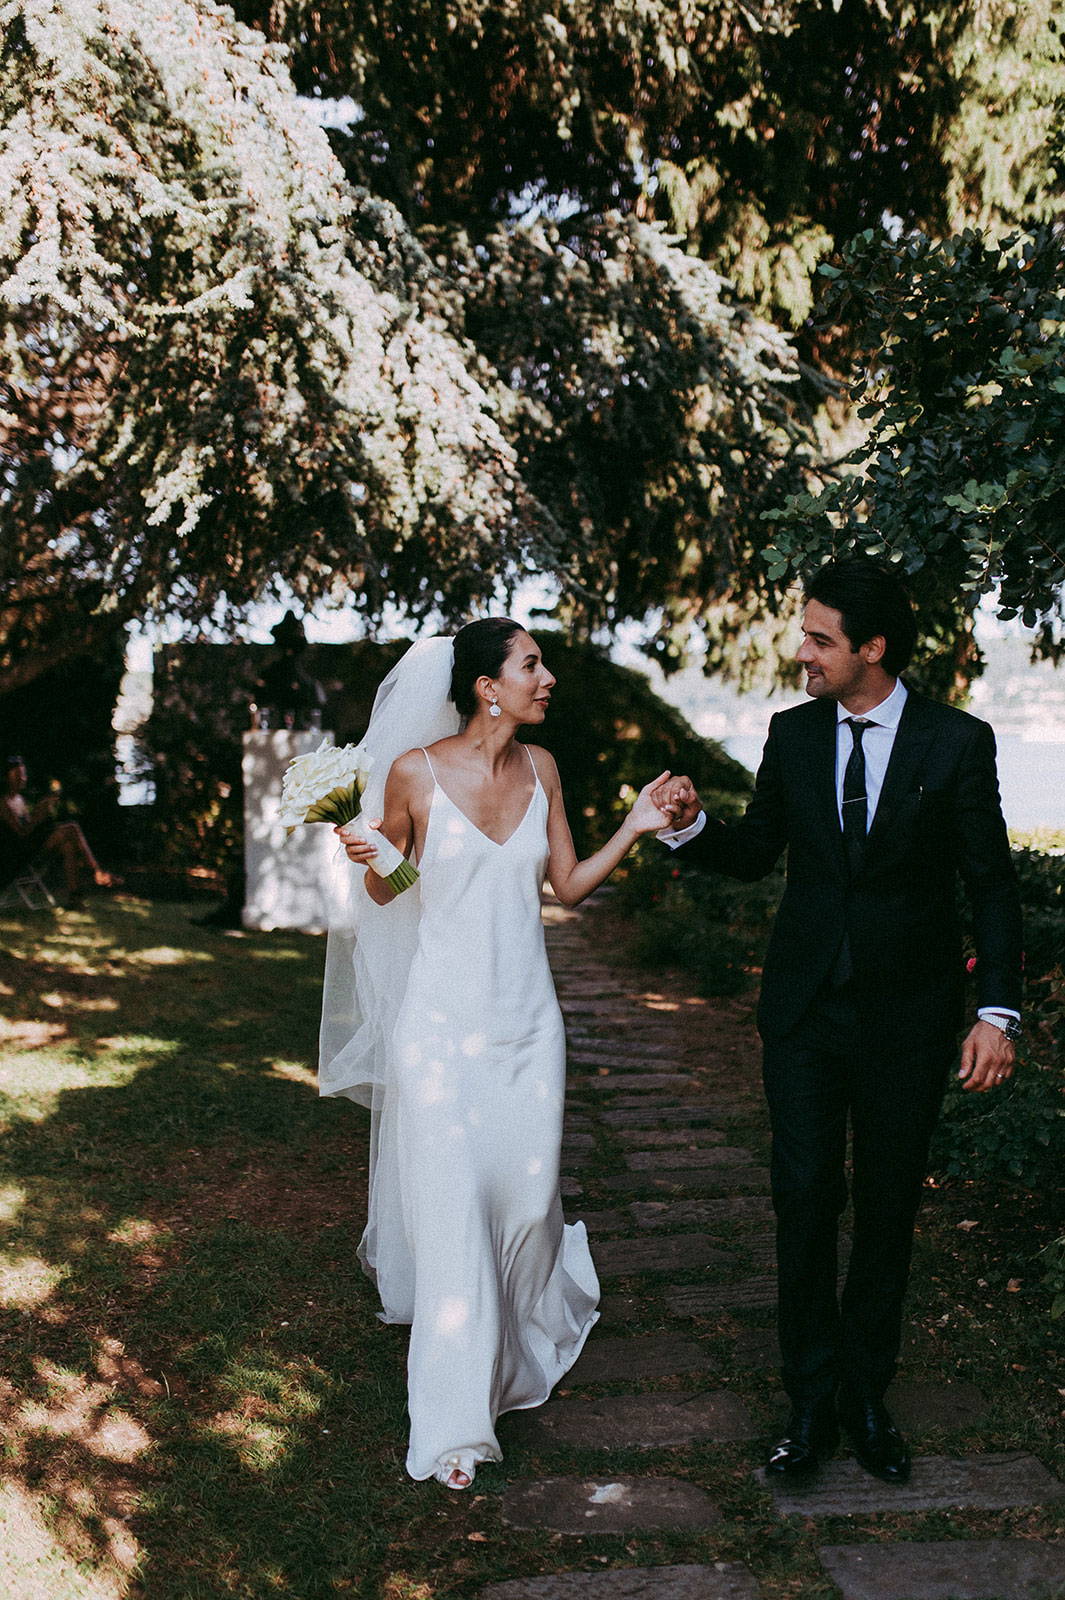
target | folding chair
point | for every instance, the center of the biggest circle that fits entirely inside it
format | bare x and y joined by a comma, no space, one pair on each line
29,889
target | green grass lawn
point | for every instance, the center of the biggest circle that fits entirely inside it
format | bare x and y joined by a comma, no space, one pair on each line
198,1400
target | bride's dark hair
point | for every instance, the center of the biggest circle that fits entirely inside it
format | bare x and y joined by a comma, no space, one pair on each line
480,651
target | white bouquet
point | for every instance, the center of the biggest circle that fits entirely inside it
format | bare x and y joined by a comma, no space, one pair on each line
326,785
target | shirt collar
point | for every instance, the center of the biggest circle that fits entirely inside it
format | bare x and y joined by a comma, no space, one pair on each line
887,714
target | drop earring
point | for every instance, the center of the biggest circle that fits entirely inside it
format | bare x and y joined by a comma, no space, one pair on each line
494,709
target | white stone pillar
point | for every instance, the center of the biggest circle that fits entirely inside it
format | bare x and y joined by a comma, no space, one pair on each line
286,877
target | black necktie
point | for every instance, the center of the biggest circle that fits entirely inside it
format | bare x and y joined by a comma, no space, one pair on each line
855,802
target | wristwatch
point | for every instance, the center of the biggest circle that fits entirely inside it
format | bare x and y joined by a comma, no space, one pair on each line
1007,1025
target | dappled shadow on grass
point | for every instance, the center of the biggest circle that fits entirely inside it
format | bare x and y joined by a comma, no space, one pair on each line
199,1398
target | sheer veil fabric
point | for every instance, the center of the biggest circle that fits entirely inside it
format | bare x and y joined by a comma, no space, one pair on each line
368,957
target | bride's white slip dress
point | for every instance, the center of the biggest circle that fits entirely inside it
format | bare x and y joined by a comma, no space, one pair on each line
501,1295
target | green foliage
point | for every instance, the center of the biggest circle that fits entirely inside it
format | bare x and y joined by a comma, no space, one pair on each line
607,729
610,734
192,739
61,724
527,315
222,368
760,133
1054,1275
650,412
962,479
1018,1131
1014,1134
704,924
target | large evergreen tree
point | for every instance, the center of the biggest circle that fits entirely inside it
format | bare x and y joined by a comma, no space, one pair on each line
763,137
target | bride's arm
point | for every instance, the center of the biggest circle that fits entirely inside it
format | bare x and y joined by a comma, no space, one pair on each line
574,880
404,791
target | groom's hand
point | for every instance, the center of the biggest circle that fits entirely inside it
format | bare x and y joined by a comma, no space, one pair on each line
986,1058
678,799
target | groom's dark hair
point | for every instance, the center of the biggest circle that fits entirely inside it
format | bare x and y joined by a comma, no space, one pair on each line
480,650
872,602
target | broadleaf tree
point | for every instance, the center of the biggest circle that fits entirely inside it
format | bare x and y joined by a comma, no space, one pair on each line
961,481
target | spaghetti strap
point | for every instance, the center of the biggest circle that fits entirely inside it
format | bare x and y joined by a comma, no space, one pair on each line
429,764
536,776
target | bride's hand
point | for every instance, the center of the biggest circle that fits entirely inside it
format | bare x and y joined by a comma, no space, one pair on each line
360,851
645,816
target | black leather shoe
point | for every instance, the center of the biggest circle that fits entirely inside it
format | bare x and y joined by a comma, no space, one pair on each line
812,1433
876,1441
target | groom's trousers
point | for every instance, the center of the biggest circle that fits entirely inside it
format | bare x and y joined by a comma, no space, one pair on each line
846,1061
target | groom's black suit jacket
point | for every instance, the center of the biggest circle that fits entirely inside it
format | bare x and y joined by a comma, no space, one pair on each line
938,818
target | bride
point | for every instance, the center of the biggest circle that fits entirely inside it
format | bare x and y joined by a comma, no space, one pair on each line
451,1032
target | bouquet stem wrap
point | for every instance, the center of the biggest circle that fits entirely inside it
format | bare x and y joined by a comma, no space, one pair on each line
391,864
327,785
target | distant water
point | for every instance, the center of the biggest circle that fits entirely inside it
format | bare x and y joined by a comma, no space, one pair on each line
1031,776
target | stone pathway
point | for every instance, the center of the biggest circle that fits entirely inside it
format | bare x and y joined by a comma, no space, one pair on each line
681,1226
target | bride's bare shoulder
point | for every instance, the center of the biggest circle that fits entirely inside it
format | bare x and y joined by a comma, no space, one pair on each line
410,770
544,762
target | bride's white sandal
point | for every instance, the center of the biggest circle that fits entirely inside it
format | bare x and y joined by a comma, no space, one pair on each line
458,1476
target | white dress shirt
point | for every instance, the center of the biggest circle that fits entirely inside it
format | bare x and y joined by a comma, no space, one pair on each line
877,744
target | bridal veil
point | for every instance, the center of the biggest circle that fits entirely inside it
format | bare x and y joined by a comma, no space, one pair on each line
368,958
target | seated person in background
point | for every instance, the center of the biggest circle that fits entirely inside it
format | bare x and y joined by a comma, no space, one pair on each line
27,832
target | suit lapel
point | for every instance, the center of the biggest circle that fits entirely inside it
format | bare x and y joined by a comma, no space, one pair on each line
824,780
904,766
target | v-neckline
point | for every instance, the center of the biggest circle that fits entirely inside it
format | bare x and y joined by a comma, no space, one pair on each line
500,844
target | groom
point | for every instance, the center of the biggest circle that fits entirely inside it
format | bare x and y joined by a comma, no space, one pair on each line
882,799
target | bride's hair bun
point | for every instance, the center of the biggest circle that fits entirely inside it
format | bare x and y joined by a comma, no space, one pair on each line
480,651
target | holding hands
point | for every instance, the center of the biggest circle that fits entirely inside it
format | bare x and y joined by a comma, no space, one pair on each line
652,809
676,797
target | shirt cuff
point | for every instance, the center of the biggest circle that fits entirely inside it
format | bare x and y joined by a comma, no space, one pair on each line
673,837
995,1011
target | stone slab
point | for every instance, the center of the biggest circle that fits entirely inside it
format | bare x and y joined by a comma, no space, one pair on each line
955,1569
633,1082
668,1115
638,1421
985,1483
577,1139
735,1209
592,986
668,1138
722,1155
641,1356
667,1252
582,1065
725,1580
648,1100
757,1347
919,1405
600,1222
691,1180
604,1505
623,1310
619,1003
600,1050
698,1300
